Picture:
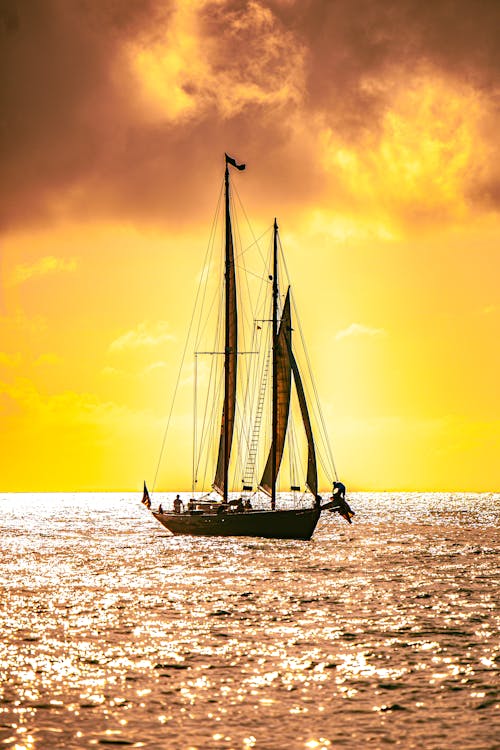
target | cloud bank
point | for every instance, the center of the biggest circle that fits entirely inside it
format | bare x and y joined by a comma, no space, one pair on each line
124,110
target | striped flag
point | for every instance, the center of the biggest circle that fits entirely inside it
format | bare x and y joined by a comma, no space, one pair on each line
145,497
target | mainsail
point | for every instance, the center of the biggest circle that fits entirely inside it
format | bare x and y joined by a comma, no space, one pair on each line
230,358
283,385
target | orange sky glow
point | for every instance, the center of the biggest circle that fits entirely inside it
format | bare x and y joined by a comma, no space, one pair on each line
369,128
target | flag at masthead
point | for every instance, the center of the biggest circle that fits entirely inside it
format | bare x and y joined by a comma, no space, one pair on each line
230,160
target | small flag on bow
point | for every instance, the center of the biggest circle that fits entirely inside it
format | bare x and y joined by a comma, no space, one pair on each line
145,497
230,160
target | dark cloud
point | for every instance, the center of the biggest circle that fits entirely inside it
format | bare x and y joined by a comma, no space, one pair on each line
75,141
357,42
61,105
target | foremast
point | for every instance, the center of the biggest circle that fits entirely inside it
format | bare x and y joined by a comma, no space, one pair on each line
281,380
284,365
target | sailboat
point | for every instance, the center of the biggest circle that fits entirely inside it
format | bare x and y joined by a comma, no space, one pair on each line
219,512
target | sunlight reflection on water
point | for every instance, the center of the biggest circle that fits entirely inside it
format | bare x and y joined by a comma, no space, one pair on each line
116,633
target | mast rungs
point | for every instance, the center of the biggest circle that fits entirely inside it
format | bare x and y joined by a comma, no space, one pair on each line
247,488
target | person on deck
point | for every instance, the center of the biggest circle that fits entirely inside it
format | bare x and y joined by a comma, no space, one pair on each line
160,508
339,489
343,507
248,504
177,504
240,507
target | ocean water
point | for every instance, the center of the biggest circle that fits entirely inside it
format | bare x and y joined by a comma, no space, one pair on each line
384,633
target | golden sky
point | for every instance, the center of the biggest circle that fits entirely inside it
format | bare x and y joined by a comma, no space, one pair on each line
369,127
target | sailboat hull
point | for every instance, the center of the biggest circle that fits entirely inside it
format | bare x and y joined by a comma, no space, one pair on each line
272,524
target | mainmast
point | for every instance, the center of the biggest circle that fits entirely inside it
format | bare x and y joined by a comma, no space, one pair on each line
227,339
221,483
274,468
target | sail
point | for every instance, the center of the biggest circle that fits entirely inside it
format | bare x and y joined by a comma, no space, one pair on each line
230,360
312,470
284,382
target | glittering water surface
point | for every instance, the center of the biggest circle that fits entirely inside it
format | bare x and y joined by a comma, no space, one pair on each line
383,632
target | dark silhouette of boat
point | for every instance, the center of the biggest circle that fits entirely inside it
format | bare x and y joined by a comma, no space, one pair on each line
270,524
226,515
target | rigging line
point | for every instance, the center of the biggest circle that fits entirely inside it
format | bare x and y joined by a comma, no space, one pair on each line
248,221
237,246
246,308
262,297
215,370
283,261
247,396
254,420
206,318
261,393
321,437
244,412
238,463
252,273
248,405
210,426
323,464
197,449
321,441
235,195
247,311
209,417
213,443
185,346
316,395
264,396
193,470
256,241
213,428
254,378
292,450
206,272
211,378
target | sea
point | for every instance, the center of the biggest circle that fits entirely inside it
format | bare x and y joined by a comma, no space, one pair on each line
383,633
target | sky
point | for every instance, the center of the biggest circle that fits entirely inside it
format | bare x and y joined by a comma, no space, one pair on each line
369,127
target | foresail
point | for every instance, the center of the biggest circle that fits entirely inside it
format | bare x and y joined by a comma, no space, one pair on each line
284,381
232,359
312,469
